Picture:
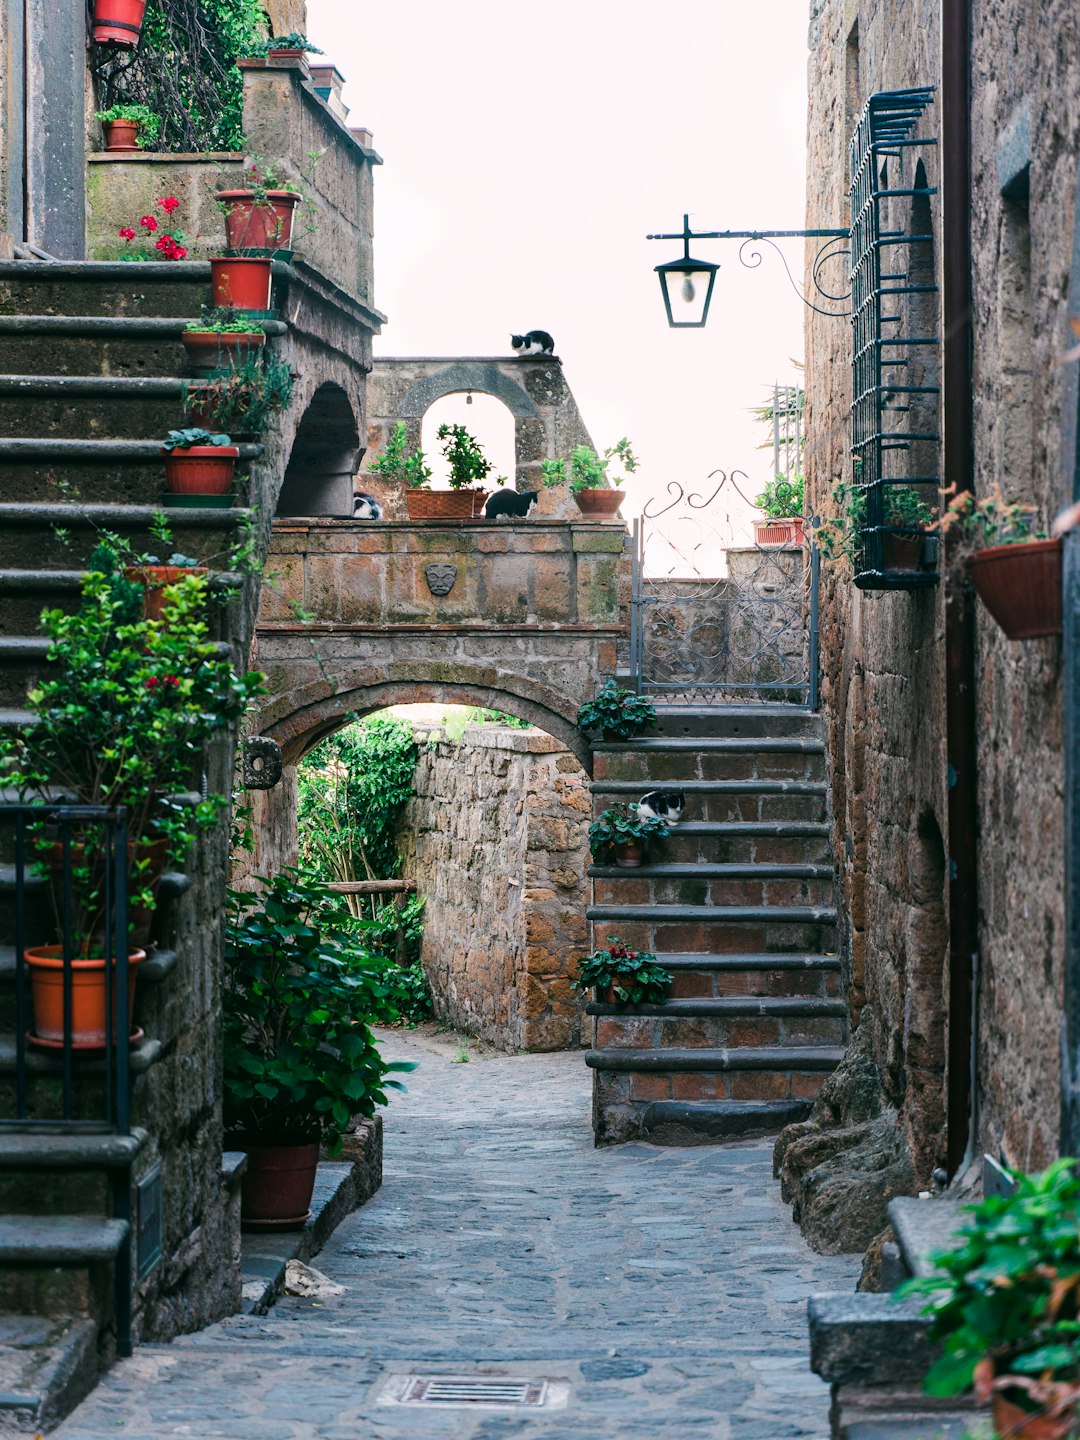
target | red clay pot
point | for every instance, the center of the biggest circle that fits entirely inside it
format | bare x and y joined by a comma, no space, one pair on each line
258,226
901,552
118,22
598,502
630,855
200,469
276,1189
1021,586
120,134
155,578
779,532
243,283
209,350
46,964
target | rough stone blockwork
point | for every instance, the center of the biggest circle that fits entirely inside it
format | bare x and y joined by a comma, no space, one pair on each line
496,839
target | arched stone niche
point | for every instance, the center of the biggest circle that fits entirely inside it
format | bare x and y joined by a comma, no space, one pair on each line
324,456
547,422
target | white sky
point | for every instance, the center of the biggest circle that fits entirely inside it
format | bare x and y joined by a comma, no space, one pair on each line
529,149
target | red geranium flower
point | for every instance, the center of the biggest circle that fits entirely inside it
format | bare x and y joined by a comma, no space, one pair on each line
126,233
179,252
148,222
172,680
169,204
152,682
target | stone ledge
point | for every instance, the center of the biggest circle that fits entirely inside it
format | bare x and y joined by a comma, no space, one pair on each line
521,742
923,1227
869,1339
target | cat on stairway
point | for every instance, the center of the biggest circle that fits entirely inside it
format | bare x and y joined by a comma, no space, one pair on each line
666,805
533,342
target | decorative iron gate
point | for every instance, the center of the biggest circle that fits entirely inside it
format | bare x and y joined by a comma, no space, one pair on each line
716,620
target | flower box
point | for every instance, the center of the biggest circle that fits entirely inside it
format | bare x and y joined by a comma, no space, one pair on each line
1021,586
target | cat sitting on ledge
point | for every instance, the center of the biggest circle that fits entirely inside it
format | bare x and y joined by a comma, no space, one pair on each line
533,342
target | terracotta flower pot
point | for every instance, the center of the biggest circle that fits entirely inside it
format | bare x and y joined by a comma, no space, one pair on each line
779,532
121,134
1021,586
439,504
241,282
480,499
155,578
118,22
598,502
275,1192
610,996
200,469
253,225
46,965
901,552
1017,1424
208,350
630,855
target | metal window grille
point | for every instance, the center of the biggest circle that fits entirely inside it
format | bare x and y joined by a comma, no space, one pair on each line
895,389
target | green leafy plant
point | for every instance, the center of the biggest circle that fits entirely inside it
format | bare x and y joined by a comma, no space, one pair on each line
981,522
299,989
242,397
586,470
396,462
184,439
148,122
222,320
1005,1301
782,498
294,40
465,455
838,538
904,508
622,825
633,975
395,930
619,714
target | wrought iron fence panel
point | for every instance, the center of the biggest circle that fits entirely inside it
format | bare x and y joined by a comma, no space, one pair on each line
718,619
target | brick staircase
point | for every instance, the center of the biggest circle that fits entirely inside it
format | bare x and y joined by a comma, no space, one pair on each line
739,905
90,380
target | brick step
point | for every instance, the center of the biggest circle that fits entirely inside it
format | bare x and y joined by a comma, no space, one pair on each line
711,745
106,288
806,1059
710,1122
730,928
93,406
715,885
28,529
769,721
715,843
60,1240
121,472
24,1150
35,344
726,1006
729,1022
708,760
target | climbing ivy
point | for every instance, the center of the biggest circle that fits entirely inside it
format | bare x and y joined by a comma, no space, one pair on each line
184,70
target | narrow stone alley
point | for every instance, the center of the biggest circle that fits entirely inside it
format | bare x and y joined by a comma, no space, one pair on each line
665,1289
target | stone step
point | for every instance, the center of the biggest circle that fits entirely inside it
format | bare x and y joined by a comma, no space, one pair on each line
769,721
67,1240
121,472
729,1023
152,971
723,928
717,885
51,1363
24,1150
701,842
710,1122
93,406
29,529
80,344
23,663
673,763
106,288
726,1006
730,801
43,1064
925,1227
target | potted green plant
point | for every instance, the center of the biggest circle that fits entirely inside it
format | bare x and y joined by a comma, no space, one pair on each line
468,468
121,718
593,488
903,512
259,214
198,462
782,502
240,398
129,127
220,337
617,713
118,22
300,1059
621,976
401,466
293,46
1005,1305
156,577
1016,570
621,835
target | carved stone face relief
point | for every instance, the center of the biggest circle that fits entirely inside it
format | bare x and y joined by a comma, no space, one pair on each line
440,578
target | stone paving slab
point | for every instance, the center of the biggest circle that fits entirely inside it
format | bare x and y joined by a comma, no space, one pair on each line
667,1288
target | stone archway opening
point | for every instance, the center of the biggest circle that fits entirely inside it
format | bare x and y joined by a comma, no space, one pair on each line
324,457
487,418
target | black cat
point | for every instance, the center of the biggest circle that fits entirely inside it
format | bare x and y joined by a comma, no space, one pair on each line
666,805
533,342
510,502
366,507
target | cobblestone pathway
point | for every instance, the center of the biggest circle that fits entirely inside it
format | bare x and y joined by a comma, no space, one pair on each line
666,1288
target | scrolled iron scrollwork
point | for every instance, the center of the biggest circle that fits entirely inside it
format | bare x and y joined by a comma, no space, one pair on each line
751,259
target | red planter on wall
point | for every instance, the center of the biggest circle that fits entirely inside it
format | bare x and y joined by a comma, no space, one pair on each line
277,1186
118,22
1021,586
243,284
200,469
253,225
120,134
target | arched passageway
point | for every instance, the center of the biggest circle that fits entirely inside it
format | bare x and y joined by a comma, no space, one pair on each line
324,456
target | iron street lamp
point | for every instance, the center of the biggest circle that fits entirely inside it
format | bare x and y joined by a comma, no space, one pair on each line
687,285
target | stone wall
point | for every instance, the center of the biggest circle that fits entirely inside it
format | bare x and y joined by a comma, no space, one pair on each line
496,838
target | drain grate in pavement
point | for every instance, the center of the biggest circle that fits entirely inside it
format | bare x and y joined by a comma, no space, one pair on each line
470,1390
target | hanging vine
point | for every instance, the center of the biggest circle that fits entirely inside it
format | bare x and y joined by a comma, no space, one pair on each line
185,70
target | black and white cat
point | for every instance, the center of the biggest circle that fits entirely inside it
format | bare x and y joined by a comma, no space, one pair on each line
510,502
533,342
366,507
666,805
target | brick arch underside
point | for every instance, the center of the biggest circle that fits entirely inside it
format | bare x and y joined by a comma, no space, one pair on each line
301,718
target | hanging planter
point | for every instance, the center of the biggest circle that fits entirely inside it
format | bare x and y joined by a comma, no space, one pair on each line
241,283
118,22
439,504
258,220
88,1029
598,502
1021,586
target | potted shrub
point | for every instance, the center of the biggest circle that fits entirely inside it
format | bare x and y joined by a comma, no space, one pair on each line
129,127
782,502
1005,1304
120,719
259,214
198,462
621,835
1015,570
300,1060
618,714
595,491
621,976
220,337
468,468
240,398
293,46
118,22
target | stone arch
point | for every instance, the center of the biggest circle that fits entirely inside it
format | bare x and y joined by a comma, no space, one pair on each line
460,376
324,457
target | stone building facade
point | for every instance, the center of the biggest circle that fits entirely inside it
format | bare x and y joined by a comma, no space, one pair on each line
496,839
949,824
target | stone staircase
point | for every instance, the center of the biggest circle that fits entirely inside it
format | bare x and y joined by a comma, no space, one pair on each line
738,903
91,373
